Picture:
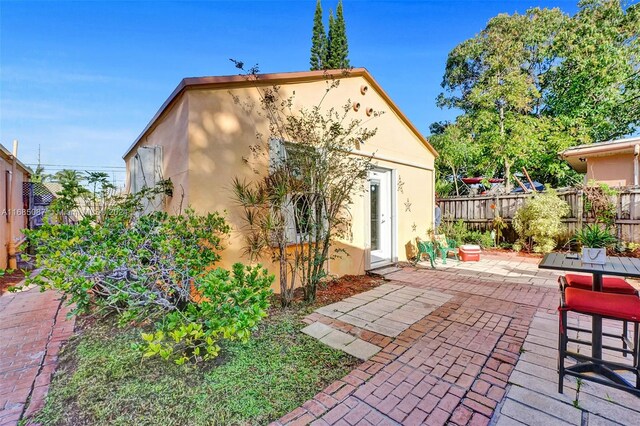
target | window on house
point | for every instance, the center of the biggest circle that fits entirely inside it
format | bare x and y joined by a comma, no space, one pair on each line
300,211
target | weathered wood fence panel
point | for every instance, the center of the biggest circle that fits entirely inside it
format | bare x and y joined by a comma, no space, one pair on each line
479,211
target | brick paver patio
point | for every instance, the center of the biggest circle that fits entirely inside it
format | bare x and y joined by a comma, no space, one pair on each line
484,355
33,327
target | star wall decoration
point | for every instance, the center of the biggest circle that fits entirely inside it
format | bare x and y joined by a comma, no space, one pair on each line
407,206
400,185
414,227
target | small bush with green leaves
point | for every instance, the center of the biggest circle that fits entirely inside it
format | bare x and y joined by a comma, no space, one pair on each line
230,308
454,230
154,267
480,238
539,222
593,236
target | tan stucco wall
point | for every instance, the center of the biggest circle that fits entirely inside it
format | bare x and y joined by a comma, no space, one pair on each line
15,210
220,134
170,132
614,170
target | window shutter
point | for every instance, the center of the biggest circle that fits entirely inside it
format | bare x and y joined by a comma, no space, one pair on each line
277,154
290,220
133,175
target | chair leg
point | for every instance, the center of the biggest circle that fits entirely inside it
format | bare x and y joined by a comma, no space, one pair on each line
625,324
636,353
562,343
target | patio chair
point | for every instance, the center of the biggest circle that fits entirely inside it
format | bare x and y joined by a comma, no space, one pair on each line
609,285
619,307
446,246
428,248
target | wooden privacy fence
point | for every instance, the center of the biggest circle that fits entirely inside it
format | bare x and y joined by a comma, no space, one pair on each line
479,211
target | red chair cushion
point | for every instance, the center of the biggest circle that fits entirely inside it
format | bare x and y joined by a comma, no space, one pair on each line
618,306
609,284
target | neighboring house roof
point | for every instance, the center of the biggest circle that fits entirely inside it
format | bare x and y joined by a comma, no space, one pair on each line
230,81
7,155
53,187
576,155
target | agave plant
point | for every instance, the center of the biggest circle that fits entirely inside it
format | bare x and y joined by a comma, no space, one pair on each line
596,237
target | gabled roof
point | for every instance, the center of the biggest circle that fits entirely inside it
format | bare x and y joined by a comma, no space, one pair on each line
576,155
230,81
8,155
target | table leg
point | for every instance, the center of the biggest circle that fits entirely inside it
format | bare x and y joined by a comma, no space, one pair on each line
596,324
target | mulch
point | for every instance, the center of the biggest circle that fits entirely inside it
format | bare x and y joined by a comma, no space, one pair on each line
339,289
7,280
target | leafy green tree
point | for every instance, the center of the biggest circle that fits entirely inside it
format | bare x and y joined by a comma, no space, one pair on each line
297,212
495,78
338,49
596,85
456,151
532,85
39,175
318,59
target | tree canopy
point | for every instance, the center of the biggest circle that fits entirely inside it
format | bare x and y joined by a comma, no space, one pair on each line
530,85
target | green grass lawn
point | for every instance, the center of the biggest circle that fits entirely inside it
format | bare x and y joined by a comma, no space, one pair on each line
101,381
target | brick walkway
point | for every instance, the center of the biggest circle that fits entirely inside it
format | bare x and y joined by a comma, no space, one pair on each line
33,327
457,364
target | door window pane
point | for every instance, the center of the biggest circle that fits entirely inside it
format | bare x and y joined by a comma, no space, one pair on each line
374,189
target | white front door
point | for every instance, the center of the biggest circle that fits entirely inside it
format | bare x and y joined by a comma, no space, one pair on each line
381,219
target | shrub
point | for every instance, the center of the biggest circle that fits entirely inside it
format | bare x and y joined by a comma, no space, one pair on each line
230,308
454,230
153,267
480,238
538,223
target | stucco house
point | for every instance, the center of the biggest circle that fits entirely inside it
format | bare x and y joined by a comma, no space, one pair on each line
613,162
13,212
199,137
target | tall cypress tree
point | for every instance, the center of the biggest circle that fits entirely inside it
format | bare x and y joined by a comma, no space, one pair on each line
332,29
319,43
338,52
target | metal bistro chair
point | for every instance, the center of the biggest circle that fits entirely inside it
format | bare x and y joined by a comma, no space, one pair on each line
609,285
619,307
428,248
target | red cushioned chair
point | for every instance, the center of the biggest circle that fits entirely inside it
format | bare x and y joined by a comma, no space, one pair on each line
609,285
620,307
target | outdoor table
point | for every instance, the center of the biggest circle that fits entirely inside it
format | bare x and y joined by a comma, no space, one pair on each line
620,266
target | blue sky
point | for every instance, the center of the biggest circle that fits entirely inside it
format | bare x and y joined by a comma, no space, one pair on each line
82,79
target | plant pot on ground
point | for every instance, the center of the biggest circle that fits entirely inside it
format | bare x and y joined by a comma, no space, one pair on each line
595,241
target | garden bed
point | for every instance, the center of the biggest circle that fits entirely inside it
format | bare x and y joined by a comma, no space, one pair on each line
101,380
10,279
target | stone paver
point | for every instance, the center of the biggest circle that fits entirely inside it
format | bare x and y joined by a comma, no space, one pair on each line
388,310
33,328
483,352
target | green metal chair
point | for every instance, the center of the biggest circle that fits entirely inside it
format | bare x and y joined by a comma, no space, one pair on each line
428,248
446,246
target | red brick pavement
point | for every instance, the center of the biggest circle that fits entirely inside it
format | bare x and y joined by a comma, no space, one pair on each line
33,328
451,367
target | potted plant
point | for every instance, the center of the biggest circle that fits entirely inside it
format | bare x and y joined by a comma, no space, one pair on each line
594,241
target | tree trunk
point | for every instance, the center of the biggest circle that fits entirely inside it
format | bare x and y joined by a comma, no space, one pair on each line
507,166
507,176
285,298
455,180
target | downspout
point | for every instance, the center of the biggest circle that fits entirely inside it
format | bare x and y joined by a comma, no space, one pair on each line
11,246
636,152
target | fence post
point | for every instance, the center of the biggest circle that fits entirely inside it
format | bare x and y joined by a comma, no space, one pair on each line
580,208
